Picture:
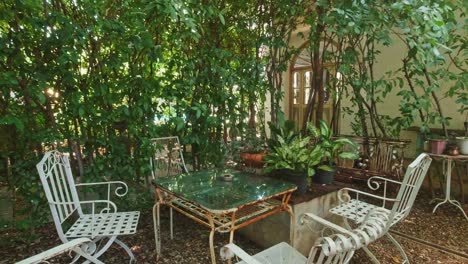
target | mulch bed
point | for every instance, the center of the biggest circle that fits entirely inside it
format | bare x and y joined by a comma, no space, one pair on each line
446,228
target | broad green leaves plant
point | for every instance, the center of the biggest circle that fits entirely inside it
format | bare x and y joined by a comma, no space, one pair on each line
332,148
297,155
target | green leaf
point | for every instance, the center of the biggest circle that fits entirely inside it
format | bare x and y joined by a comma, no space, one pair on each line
221,18
348,155
325,168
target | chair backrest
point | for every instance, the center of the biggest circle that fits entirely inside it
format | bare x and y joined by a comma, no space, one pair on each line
410,185
340,247
59,186
167,159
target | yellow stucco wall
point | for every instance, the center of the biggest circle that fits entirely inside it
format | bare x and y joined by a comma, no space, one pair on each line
390,59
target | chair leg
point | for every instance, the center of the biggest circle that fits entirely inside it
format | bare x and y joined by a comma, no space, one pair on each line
399,247
157,238
75,258
88,257
103,249
212,253
368,252
127,249
171,224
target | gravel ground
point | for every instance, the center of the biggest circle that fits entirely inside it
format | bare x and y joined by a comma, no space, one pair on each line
446,228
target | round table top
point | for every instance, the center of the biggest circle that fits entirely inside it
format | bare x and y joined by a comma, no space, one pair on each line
452,157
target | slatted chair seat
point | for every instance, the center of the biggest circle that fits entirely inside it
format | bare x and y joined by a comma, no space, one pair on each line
121,223
104,223
357,211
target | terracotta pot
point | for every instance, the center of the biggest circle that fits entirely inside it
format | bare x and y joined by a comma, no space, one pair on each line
253,159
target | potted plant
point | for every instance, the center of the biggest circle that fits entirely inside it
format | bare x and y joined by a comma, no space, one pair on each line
463,141
437,144
253,151
294,160
333,148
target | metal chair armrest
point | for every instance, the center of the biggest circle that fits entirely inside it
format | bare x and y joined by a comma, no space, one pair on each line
375,179
119,191
312,217
231,250
345,197
39,258
93,202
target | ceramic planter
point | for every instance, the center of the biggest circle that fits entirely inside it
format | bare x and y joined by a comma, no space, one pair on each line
438,145
323,176
298,178
463,144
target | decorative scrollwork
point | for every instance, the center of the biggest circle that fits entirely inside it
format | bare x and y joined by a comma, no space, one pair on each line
88,248
343,196
121,190
373,183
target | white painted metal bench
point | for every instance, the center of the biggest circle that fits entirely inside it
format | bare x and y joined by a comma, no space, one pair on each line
167,160
103,223
73,245
356,209
337,248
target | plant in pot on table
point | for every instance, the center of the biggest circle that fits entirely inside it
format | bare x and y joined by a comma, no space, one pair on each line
253,151
333,148
463,141
294,160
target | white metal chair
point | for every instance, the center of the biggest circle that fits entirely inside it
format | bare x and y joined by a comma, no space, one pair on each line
167,160
337,248
73,245
66,207
356,210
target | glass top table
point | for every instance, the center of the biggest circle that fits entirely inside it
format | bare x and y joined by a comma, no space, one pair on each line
223,206
209,190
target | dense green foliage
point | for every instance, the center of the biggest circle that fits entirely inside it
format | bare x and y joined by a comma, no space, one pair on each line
99,79
350,36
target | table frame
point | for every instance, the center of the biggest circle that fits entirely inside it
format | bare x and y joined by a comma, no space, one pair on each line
222,221
447,166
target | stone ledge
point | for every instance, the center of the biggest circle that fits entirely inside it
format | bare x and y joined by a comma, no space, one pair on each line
276,228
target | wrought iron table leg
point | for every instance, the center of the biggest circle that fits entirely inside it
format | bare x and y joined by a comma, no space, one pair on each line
292,224
231,239
448,175
171,224
212,252
157,239
231,233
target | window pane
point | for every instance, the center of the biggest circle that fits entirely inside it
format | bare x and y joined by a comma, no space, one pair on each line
307,79
296,96
295,80
306,95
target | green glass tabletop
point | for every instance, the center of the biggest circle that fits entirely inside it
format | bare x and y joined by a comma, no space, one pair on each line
210,190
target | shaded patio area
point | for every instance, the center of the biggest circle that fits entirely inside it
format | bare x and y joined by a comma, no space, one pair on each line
446,228
265,125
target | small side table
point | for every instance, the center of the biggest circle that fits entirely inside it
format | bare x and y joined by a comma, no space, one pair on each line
447,164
